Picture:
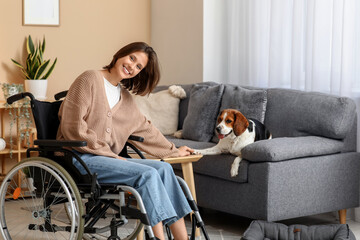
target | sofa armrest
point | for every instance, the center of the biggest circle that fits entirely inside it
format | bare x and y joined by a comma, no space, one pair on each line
278,149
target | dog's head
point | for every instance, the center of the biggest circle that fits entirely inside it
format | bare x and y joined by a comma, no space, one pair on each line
231,120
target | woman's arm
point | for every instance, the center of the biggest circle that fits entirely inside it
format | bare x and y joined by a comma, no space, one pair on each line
155,142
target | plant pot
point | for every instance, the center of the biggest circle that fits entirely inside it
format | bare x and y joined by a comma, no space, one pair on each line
37,87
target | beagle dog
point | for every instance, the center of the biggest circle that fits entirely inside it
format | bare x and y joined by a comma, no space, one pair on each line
235,132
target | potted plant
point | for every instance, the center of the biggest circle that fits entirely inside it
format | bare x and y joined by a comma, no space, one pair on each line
34,69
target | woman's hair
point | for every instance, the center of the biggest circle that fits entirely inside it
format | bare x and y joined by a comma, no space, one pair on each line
147,79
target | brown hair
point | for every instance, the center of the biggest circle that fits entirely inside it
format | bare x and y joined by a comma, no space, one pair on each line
147,79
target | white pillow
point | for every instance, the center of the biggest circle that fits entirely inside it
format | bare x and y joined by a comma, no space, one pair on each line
162,108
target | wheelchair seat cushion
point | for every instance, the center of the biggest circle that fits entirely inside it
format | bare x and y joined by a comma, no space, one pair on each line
262,230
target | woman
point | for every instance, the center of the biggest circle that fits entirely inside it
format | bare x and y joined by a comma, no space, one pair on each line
100,110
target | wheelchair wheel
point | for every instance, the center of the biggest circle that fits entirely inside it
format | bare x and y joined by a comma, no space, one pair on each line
34,209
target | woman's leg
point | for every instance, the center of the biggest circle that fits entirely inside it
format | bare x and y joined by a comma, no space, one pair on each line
158,230
144,179
176,195
178,229
172,186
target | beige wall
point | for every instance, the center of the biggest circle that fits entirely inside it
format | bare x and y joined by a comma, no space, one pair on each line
90,32
177,37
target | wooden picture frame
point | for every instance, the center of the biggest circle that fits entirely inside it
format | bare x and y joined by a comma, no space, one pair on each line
41,13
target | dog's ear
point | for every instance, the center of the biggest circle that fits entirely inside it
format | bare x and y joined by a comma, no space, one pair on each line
220,117
241,123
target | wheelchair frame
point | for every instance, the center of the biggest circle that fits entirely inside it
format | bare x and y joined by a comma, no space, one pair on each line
56,160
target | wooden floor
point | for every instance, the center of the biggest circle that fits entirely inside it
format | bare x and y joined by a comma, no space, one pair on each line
222,226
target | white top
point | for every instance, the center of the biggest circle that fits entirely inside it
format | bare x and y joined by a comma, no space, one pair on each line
112,93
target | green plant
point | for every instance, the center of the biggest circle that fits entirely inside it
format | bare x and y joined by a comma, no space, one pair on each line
35,65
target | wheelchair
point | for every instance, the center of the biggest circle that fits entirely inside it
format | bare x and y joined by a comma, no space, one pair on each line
46,197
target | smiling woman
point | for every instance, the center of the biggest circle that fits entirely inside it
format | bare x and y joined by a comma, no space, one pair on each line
127,64
107,116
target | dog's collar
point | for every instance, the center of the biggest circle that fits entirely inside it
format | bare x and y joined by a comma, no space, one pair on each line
251,126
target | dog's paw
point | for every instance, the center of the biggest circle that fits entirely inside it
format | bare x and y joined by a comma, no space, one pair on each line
234,171
235,167
197,152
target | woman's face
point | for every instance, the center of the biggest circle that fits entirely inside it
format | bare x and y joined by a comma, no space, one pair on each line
130,65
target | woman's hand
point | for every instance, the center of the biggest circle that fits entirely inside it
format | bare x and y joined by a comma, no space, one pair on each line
185,151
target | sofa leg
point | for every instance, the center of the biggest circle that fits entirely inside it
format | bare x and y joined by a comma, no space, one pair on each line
342,216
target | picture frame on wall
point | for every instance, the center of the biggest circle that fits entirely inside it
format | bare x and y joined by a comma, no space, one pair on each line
41,12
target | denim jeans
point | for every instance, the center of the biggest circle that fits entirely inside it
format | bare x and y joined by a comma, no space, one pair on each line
155,181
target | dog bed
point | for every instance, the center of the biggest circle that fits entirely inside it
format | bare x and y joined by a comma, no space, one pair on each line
262,230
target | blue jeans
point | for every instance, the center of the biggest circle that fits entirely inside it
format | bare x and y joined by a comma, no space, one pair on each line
155,181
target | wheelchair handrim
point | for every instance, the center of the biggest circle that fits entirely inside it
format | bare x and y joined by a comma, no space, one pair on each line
42,165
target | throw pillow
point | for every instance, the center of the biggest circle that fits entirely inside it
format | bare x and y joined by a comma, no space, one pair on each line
162,108
250,102
204,103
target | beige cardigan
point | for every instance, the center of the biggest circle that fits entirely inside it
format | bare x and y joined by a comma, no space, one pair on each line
86,115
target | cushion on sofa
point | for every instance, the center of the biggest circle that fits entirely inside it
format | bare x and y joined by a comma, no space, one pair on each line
251,102
162,108
204,103
184,103
278,149
292,113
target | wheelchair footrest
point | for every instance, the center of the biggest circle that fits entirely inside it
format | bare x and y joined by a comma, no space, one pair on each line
136,214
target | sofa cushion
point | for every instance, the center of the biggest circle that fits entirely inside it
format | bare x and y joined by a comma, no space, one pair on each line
184,103
183,106
285,148
212,165
250,102
202,112
292,113
162,108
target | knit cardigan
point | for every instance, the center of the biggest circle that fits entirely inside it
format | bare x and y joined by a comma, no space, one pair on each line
85,115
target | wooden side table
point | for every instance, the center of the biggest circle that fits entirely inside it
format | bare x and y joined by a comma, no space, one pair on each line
187,169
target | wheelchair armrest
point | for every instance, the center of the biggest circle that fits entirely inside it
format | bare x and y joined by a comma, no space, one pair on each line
136,138
19,96
60,95
59,143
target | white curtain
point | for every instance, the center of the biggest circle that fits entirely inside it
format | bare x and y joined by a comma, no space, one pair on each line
309,45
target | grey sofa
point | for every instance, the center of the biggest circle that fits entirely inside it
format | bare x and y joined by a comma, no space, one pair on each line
309,167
